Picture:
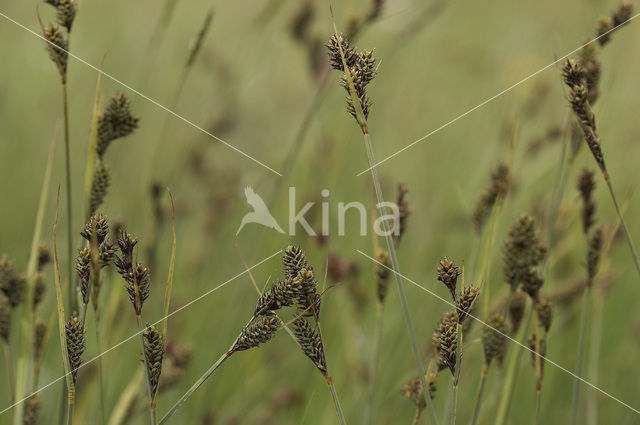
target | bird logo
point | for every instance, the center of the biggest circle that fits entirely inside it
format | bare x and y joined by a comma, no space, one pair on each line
260,213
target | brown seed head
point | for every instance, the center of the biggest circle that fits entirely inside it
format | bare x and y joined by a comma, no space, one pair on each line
311,343
383,274
153,351
57,47
448,274
74,333
116,121
465,302
257,332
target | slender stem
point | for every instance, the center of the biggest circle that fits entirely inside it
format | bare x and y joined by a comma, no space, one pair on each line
100,372
536,415
377,336
594,358
456,380
336,401
578,370
398,279
67,155
538,363
193,388
10,377
510,376
483,381
632,248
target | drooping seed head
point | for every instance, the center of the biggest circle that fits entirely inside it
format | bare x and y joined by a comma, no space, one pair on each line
257,332
57,47
99,187
115,122
494,339
448,274
311,343
153,351
403,210
74,334
521,251
465,302
5,318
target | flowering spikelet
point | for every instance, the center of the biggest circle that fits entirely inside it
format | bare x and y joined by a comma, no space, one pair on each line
521,251
115,122
137,277
5,318
382,274
310,342
591,71
465,302
403,210
448,347
257,332
97,226
593,253
153,351
57,47
586,184
294,260
83,267
12,283
493,338
413,390
66,13
361,69
74,333
531,283
39,289
99,187
44,257
494,193
545,312
448,274
449,318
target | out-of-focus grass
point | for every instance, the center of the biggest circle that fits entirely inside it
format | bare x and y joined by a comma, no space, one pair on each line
251,73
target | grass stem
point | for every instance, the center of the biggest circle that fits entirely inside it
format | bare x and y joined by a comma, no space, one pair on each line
586,301
456,380
10,377
627,234
67,156
377,337
483,381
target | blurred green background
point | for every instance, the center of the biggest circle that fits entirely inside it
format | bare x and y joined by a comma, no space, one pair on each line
253,85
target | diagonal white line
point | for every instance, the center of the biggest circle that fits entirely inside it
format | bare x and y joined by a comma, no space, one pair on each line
496,96
139,332
213,136
505,335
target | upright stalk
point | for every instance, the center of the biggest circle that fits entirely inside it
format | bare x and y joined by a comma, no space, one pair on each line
483,381
594,359
67,156
10,377
152,408
194,388
538,363
377,336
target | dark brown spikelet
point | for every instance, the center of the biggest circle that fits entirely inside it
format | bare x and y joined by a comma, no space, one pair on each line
257,332
449,318
66,13
521,251
448,274
382,274
603,28
403,210
593,253
83,268
293,260
98,227
492,195
39,289
465,302
137,277
572,73
531,283
12,283
32,411
545,312
586,184
126,244
153,351
310,342
115,122
622,14
99,187
40,334
74,333
57,47
375,9
335,59
44,257
5,318
448,347
591,70
494,339
202,34
516,309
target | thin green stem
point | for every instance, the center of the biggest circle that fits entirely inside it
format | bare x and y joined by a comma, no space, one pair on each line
456,380
10,377
377,336
538,363
100,372
67,156
478,405
336,401
396,268
193,388
511,375
594,358
627,234
586,301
